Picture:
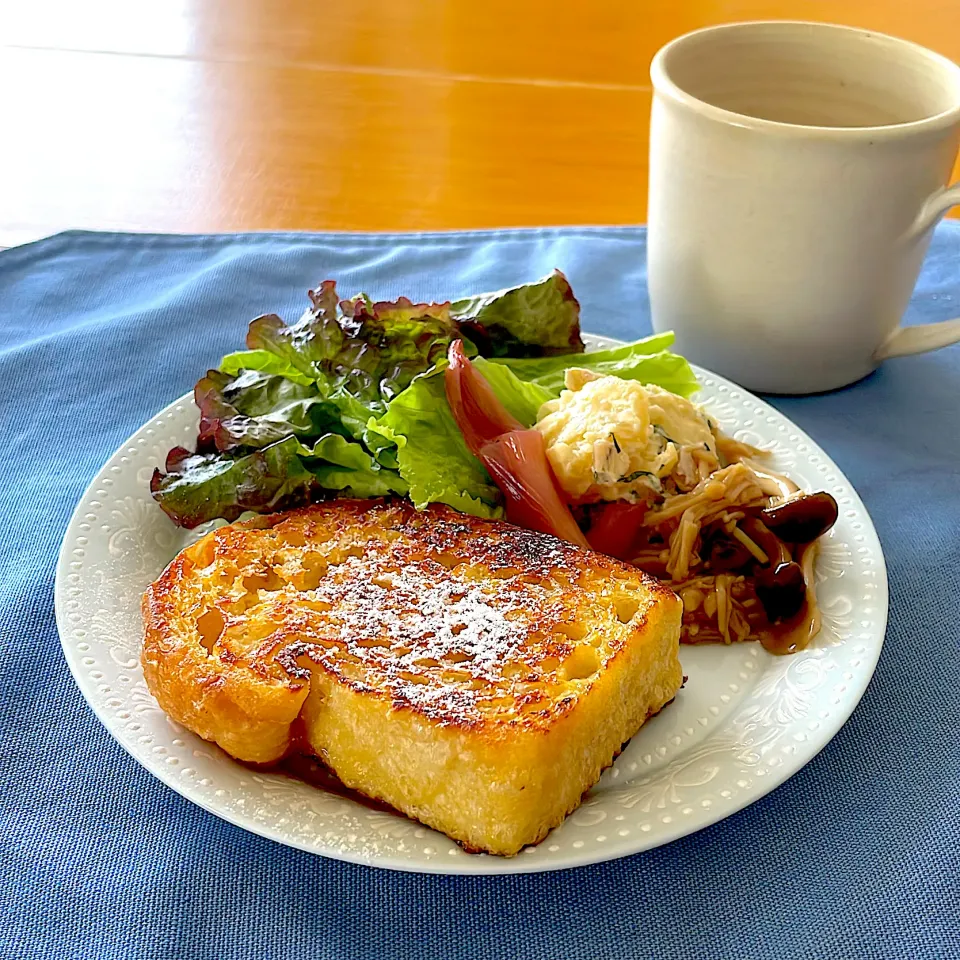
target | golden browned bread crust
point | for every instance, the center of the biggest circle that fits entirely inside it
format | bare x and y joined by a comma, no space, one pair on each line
428,654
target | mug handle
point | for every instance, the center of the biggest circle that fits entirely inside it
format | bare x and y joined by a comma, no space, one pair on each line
925,336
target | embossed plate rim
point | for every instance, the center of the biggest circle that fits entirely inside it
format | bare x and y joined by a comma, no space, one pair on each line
637,812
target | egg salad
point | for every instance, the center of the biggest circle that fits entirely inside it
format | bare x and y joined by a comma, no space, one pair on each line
613,439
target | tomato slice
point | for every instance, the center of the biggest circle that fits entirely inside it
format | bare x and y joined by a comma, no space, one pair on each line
615,527
478,411
519,466
514,456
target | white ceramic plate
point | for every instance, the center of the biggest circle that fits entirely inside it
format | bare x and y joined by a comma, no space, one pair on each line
744,722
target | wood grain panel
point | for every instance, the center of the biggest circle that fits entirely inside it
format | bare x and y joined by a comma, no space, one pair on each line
358,114
178,145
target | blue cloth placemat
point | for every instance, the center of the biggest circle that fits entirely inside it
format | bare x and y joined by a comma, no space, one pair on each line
856,856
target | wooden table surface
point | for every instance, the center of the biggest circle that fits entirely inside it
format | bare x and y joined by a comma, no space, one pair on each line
216,115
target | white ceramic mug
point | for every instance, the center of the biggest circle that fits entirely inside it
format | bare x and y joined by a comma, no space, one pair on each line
796,173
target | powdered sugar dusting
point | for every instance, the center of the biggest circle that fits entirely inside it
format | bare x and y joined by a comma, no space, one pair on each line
450,619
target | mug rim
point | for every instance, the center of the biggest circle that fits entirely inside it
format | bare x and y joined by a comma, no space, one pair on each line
664,85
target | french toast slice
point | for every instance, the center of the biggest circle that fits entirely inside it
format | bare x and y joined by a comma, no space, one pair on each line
474,675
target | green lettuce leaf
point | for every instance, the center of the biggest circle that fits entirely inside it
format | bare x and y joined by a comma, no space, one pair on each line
204,486
532,320
359,354
522,398
341,464
255,409
265,362
198,487
648,361
432,456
